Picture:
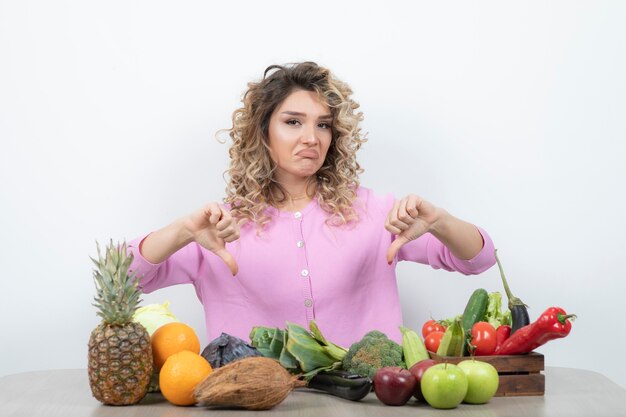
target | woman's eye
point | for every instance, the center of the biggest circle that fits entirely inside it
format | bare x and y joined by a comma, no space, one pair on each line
324,125
293,122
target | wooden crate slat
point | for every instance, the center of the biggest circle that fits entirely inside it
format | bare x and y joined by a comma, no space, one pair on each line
520,375
530,363
521,385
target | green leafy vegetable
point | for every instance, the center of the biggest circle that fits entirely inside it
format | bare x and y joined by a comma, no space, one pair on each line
297,349
494,315
265,339
153,316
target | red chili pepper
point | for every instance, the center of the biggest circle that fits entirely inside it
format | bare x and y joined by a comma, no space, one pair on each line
552,324
502,333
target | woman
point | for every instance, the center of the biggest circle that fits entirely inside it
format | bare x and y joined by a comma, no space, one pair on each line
299,238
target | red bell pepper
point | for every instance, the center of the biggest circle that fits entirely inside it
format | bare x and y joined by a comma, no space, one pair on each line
554,323
502,333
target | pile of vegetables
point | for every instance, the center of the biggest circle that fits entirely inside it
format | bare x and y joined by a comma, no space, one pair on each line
259,375
483,329
244,380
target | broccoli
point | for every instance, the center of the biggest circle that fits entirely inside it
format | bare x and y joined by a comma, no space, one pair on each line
374,351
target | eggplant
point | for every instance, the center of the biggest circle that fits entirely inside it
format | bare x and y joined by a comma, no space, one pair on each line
342,384
519,316
519,310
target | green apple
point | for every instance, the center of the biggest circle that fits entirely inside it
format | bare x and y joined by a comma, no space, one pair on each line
444,385
482,381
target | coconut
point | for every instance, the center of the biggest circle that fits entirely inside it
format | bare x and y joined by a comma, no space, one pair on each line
254,383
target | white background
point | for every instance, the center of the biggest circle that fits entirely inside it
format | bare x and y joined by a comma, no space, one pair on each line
509,115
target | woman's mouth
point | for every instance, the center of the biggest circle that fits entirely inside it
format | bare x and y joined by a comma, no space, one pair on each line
308,153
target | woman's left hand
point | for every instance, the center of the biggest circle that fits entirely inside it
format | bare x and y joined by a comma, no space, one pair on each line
409,218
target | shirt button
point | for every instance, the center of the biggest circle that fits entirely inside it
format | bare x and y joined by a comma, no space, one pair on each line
300,243
297,215
305,273
308,303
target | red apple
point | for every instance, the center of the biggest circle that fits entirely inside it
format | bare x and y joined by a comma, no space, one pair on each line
394,385
418,370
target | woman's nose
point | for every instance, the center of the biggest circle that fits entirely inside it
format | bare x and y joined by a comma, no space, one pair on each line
309,135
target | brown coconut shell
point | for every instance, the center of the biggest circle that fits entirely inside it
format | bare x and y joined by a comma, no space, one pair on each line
253,383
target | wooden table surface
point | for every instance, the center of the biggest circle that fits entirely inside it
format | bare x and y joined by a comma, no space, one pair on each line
66,393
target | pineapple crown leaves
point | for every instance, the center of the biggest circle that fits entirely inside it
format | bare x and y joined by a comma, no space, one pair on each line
117,291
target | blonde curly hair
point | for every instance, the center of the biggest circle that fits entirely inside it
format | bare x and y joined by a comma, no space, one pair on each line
251,186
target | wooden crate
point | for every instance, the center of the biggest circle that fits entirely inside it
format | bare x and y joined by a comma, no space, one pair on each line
520,375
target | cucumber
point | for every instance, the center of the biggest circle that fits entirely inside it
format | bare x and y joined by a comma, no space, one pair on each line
342,384
475,310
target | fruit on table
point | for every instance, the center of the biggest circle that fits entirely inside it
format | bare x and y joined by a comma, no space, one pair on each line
173,338
431,326
253,383
180,375
394,385
482,381
433,340
120,356
484,339
418,372
444,385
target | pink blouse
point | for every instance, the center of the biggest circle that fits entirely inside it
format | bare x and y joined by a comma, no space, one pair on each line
299,269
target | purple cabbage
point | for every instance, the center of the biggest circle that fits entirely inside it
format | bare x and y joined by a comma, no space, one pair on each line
227,348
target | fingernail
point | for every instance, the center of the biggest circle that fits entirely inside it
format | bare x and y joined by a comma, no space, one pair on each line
390,262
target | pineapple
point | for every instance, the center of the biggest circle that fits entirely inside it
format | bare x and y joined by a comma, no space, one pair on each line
120,355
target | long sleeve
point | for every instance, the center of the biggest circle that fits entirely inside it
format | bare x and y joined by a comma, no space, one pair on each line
300,269
427,249
180,268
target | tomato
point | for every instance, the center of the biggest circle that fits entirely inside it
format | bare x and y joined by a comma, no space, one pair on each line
484,338
433,340
431,326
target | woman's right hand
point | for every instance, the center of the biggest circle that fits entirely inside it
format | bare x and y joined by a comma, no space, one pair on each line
211,227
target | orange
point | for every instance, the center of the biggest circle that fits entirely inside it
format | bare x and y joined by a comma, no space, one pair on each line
180,374
172,338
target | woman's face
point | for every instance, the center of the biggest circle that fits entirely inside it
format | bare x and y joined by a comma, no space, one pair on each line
299,136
